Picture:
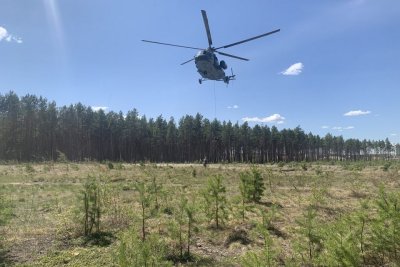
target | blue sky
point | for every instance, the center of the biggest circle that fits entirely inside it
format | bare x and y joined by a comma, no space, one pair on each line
343,57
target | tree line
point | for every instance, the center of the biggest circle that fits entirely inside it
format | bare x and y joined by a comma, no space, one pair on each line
35,129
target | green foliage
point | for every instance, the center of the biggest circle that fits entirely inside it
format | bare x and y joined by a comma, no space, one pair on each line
342,243
145,198
181,228
119,166
29,168
157,191
134,251
92,205
36,129
190,211
304,166
6,211
269,217
344,240
215,200
243,205
386,166
61,157
354,166
110,165
181,221
318,196
386,227
270,177
251,185
309,244
113,206
268,256
318,170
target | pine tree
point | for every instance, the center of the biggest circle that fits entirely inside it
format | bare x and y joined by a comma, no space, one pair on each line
215,200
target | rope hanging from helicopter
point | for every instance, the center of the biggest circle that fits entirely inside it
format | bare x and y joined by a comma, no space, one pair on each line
215,103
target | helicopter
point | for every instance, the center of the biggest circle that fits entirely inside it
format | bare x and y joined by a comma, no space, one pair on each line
206,61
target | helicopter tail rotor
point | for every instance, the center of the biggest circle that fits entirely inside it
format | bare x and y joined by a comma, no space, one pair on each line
230,77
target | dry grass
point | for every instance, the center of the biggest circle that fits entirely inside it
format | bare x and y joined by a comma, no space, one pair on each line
43,230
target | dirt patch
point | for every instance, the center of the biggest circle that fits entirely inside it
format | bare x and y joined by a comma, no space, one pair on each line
30,248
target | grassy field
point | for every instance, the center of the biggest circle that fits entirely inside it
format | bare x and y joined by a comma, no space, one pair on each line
309,214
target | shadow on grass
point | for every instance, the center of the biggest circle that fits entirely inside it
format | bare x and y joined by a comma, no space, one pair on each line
277,232
191,260
100,239
4,260
270,204
237,235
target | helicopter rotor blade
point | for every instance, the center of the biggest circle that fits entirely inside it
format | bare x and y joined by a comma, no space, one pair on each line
248,40
229,55
187,61
196,48
205,19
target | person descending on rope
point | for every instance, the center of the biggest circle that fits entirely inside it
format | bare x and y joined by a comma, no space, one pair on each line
205,162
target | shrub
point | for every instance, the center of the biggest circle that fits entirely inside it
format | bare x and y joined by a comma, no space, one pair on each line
110,165
267,257
134,251
61,157
215,200
309,244
386,166
145,198
304,166
342,243
251,185
386,227
92,200
29,168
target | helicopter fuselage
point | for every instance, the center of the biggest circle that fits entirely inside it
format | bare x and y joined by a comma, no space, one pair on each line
209,67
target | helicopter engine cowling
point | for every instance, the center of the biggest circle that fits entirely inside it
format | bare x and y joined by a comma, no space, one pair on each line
223,65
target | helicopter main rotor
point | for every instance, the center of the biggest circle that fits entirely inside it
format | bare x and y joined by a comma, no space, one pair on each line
205,20
210,48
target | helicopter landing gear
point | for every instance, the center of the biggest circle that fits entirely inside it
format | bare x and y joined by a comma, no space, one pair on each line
200,81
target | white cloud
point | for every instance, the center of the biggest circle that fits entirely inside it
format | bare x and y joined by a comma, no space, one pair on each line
233,107
295,69
340,128
98,108
325,127
393,134
4,35
275,118
353,113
